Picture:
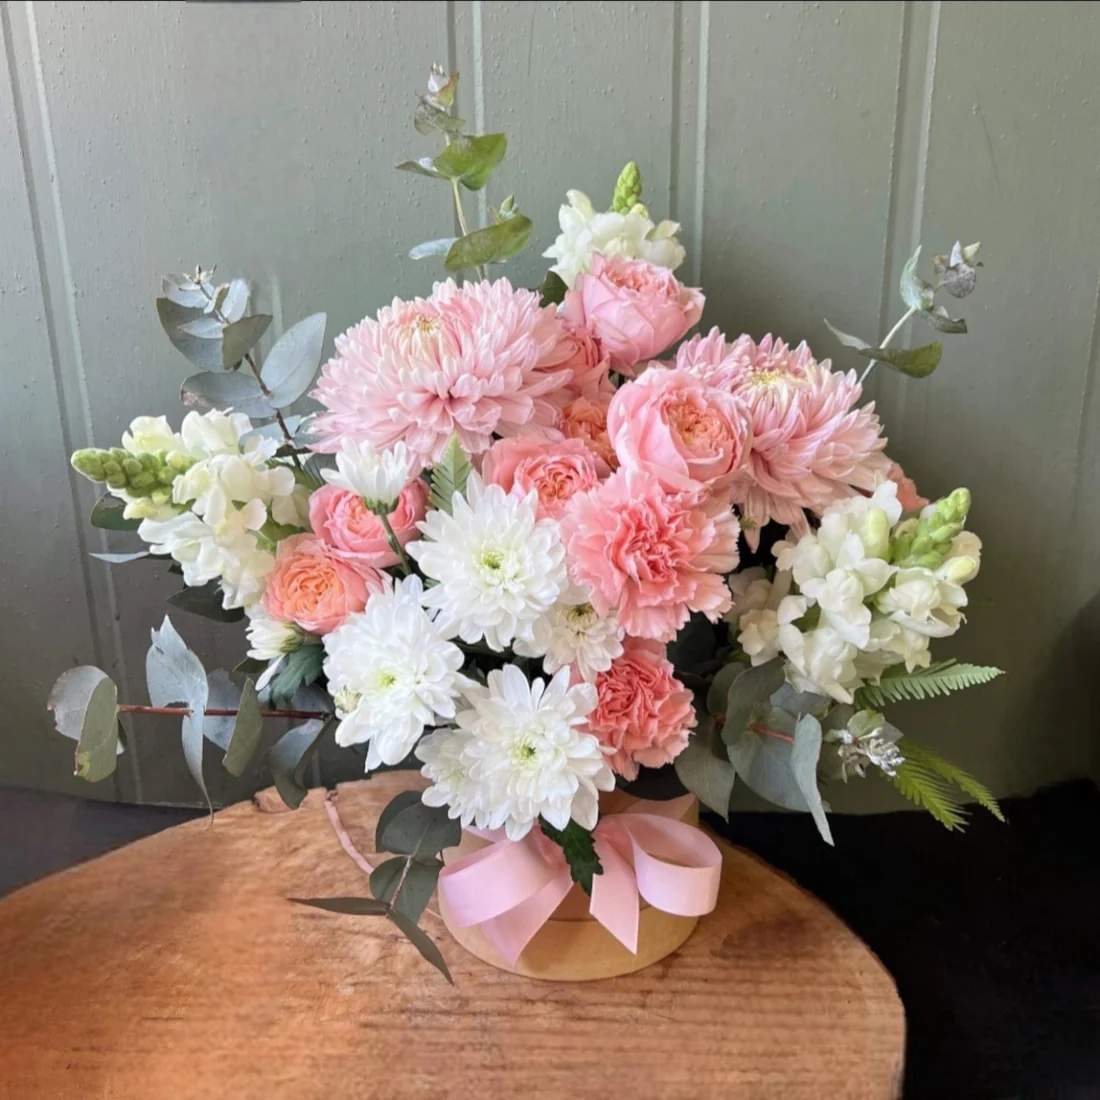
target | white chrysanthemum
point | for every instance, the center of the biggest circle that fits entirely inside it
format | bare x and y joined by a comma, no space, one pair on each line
270,638
572,633
499,568
377,476
521,755
392,672
585,230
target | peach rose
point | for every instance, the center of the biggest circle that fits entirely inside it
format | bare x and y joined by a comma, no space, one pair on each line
585,418
643,713
555,470
634,309
354,533
687,434
314,587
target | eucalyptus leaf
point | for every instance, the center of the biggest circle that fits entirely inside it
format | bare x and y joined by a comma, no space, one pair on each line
942,321
805,754
429,119
84,701
421,941
291,364
749,690
248,728
239,338
553,290
206,327
421,167
439,247
122,559
493,244
846,338
298,668
416,887
107,515
221,694
915,362
471,159
915,292
290,756
708,775
224,390
235,301
718,692
410,828
205,600
205,354
354,907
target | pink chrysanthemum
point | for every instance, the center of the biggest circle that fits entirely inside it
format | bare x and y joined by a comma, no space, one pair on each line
478,359
653,555
811,445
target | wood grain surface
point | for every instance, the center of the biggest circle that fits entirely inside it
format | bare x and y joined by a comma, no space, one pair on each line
176,967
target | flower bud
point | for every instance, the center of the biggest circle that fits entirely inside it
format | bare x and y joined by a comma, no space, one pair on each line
874,532
89,462
628,189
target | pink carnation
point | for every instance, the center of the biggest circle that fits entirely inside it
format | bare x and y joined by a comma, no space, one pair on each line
585,418
634,309
908,496
811,445
314,587
556,471
653,555
356,534
642,712
479,360
688,434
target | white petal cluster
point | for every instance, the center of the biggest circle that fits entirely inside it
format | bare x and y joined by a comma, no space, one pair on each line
519,752
392,673
377,476
498,567
868,741
573,634
585,230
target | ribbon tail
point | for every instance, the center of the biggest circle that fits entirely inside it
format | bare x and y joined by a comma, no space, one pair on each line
615,896
512,931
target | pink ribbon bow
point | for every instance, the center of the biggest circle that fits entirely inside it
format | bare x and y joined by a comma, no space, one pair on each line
511,888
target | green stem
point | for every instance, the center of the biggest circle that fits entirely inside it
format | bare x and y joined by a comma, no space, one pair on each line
886,340
396,546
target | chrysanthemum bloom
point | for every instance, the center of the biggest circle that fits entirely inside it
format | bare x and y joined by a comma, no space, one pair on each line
340,517
572,634
656,556
555,471
313,587
811,445
378,477
673,425
476,360
634,309
643,713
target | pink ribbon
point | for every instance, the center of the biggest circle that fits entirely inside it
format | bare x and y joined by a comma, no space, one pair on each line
511,888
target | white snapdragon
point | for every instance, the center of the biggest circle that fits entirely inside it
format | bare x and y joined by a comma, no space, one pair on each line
377,476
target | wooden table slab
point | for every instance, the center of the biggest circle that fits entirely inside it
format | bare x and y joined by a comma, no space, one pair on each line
176,968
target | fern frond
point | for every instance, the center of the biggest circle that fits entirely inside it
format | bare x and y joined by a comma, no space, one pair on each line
449,475
940,678
952,773
924,788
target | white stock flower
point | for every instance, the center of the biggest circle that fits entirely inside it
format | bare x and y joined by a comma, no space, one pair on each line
760,608
151,435
392,672
239,478
499,568
572,633
820,661
584,230
922,602
521,754
376,476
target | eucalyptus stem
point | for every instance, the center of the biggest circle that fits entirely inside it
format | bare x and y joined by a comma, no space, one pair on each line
886,340
220,712
462,223
395,545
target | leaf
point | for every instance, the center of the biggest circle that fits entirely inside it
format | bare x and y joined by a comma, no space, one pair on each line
122,559
421,941
579,848
107,515
553,290
250,666
805,754
410,828
421,167
247,730
471,159
84,701
927,759
354,907
940,319
299,667
290,366
235,302
708,775
223,390
205,600
940,678
720,687
845,338
205,354
206,327
239,338
449,476
429,119
915,292
290,756
439,247
751,688
924,788
493,244
915,362
221,693
174,675
416,888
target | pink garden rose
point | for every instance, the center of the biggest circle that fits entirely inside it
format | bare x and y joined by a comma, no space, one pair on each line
642,712
589,368
555,470
653,555
908,496
314,587
686,433
634,309
354,533
585,418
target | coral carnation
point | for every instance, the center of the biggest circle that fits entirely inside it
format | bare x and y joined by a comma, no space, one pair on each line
556,470
643,713
656,556
811,446
478,359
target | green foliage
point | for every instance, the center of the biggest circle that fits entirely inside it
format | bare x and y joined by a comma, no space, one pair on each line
471,159
705,770
247,729
84,701
413,879
449,476
940,678
915,362
491,245
290,756
205,600
204,353
240,337
750,688
107,515
915,292
439,247
924,788
291,364
925,761
224,389
553,290
298,668
579,848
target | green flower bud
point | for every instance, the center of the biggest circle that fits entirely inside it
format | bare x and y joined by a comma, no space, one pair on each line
143,483
89,462
132,467
925,541
116,481
628,189
874,532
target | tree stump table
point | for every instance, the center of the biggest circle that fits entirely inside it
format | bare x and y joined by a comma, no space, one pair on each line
176,968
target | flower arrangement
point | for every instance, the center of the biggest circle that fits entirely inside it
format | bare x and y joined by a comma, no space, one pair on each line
540,544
